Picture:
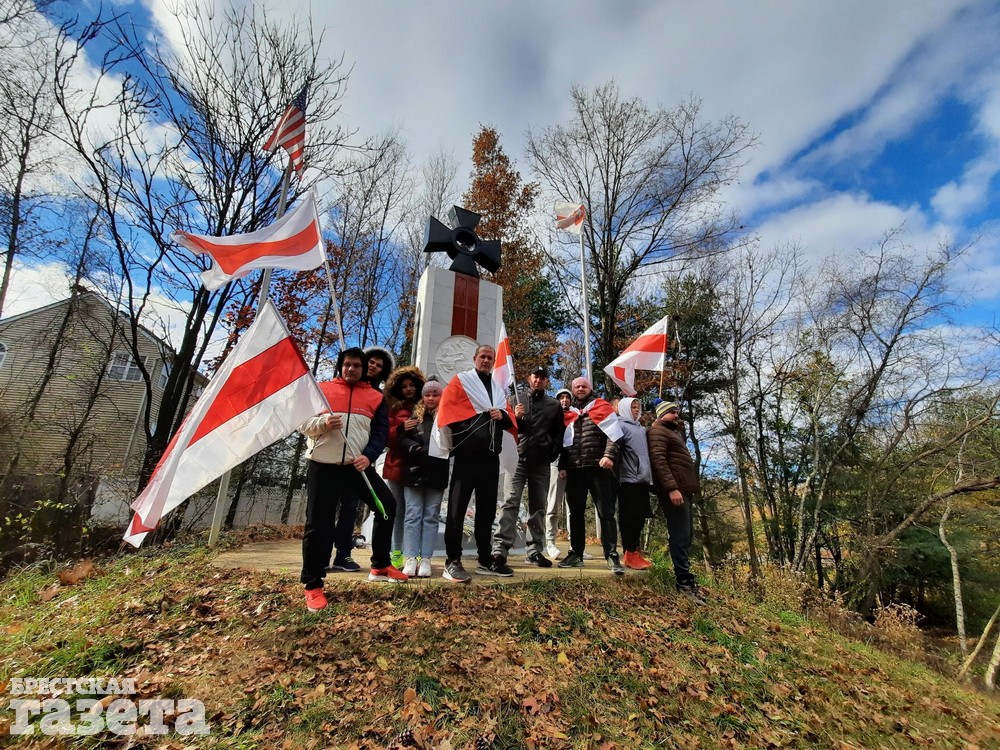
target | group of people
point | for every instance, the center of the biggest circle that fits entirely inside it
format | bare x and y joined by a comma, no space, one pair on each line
448,438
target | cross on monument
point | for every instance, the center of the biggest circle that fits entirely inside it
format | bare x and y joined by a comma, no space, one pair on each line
462,244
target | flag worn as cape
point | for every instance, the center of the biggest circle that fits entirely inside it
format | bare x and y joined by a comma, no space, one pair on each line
601,412
464,397
293,242
648,352
262,392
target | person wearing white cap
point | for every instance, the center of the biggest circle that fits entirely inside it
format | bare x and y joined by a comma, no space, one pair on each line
634,479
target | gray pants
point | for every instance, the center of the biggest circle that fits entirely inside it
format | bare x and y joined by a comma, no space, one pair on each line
536,475
556,504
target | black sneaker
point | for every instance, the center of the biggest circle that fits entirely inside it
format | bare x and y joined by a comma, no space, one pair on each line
346,564
537,558
615,565
572,560
498,567
455,572
693,593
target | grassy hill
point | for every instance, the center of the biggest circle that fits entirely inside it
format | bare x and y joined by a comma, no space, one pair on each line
547,664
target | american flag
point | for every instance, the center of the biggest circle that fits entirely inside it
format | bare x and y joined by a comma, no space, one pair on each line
290,132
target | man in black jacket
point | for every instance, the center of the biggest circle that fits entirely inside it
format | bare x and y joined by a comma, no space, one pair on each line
476,441
540,434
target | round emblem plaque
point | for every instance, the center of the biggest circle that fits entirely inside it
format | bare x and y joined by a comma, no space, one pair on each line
454,356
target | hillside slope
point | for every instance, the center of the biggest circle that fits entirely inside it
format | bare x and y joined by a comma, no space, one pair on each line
554,664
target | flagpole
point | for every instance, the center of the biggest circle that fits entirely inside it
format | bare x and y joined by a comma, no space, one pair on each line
663,362
333,301
265,290
586,307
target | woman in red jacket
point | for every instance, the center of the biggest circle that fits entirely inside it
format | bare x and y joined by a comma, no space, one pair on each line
402,394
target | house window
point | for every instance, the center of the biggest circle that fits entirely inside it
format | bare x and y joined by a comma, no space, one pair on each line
3,353
161,381
123,367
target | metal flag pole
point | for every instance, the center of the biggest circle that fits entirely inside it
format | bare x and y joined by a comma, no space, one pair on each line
265,290
663,362
586,307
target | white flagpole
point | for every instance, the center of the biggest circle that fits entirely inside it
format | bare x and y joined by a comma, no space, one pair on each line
586,308
265,290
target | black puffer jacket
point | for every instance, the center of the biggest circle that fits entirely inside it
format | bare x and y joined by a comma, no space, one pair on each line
670,460
420,469
590,444
540,430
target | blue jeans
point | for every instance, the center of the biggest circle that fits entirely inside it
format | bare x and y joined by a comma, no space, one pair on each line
420,526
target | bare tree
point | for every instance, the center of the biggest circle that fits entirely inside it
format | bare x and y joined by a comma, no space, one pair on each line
650,179
179,147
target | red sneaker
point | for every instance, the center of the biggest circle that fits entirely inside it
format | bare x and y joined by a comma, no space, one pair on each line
641,561
388,573
315,600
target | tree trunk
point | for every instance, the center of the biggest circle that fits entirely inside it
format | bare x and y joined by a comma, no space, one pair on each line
956,580
991,669
979,644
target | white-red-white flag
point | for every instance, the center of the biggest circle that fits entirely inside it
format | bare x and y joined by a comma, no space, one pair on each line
503,368
466,397
262,393
648,352
601,412
293,242
290,132
570,216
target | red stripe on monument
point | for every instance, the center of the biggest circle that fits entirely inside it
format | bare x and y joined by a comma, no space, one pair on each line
465,307
252,382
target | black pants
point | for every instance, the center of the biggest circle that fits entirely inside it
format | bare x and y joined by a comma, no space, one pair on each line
329,487
347,518
603,488
633,508
480,475
680,528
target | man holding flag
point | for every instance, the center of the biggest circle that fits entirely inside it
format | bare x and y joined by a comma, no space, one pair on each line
540,434
471,420
342,443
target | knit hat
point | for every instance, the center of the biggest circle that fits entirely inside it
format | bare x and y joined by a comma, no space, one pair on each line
561,391
431,386
664,406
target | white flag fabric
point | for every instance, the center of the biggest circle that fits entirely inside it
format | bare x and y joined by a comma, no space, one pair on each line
292,242
648,352
262,392
570,216
503,368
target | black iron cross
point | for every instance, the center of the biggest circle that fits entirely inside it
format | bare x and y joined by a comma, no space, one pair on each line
462,244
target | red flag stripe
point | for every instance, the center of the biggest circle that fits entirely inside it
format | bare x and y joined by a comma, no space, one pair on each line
232,257
653,343
252,382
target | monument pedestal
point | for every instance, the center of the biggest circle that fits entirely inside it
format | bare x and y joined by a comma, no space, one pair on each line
455,313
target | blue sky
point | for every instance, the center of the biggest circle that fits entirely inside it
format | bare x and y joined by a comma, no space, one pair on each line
870,115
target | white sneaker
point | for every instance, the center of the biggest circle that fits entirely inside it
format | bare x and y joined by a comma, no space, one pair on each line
553,552
424,568
587,555
410,568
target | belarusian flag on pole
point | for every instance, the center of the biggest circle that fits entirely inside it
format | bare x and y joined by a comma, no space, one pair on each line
503,368
292,242
262,392
648,352
570,216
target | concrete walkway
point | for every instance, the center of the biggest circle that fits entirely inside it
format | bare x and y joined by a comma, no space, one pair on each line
285,558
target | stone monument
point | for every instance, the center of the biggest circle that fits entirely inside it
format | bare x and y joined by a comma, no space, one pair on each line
456,310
